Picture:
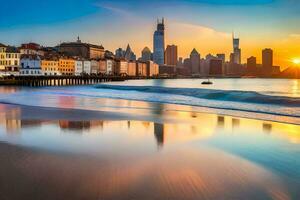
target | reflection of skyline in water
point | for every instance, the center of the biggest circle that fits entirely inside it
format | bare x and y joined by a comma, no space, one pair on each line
201,123
226,139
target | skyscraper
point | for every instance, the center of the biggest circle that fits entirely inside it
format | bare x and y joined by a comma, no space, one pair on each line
171,55
236,50
159,43
267,61
267,58
195,62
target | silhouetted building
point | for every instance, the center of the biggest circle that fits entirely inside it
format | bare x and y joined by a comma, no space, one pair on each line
221,56
171,55
236,50
267,61
251,66
216,67
159,43
195,62
146,54
187,66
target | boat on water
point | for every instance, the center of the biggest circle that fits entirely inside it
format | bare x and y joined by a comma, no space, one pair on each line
208,82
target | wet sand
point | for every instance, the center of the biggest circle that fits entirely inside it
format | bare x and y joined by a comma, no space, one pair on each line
180,167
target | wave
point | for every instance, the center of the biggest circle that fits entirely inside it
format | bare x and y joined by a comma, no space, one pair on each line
210,94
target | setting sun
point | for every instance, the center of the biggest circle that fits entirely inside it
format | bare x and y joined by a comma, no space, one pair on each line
296,61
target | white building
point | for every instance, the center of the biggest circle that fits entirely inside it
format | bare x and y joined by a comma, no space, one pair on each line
78,67
94,67
110,64
87,68
30,65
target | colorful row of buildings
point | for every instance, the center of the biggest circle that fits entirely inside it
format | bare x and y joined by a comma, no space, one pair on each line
69,59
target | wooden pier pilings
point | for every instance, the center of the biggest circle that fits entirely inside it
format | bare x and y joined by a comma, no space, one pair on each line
40,81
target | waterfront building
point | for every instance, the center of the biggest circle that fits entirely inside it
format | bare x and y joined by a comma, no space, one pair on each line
267,61
110,66
152,69
102,66
87,68
171,55
9,60
132,68
195,62
94,67
30,65
167,69
106,66
216,67
2,56
78,67
146,54
50,67
83,50
67,66
142,69
251,66
121,67
159,43
12,60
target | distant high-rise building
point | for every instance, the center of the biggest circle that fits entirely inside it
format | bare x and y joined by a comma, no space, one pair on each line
120,53
267,59
146,54
236,50
195,62
171,55
129,55
221,56
216,67
159,43
187,65
180,62
251,65
231,59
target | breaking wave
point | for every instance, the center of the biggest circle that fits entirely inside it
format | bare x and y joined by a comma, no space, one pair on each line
208,94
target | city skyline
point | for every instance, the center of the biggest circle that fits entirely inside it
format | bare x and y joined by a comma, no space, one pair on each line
204,25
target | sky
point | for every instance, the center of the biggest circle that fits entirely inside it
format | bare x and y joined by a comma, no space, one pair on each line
206,25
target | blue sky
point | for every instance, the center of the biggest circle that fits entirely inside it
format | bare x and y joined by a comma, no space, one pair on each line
114,23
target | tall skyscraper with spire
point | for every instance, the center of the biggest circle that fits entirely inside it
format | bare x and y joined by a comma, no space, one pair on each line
236,50
159,43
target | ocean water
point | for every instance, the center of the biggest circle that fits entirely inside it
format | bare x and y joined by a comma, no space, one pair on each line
272,99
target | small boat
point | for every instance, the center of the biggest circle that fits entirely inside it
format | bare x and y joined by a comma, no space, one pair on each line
208,82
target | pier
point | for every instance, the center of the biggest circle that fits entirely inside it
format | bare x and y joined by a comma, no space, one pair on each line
40,81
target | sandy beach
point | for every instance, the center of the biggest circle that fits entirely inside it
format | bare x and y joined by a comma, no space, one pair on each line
61,153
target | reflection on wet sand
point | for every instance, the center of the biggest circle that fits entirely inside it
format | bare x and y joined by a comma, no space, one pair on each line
199,156
159,134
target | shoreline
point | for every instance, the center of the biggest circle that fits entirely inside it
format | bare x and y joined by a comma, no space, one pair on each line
77,114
